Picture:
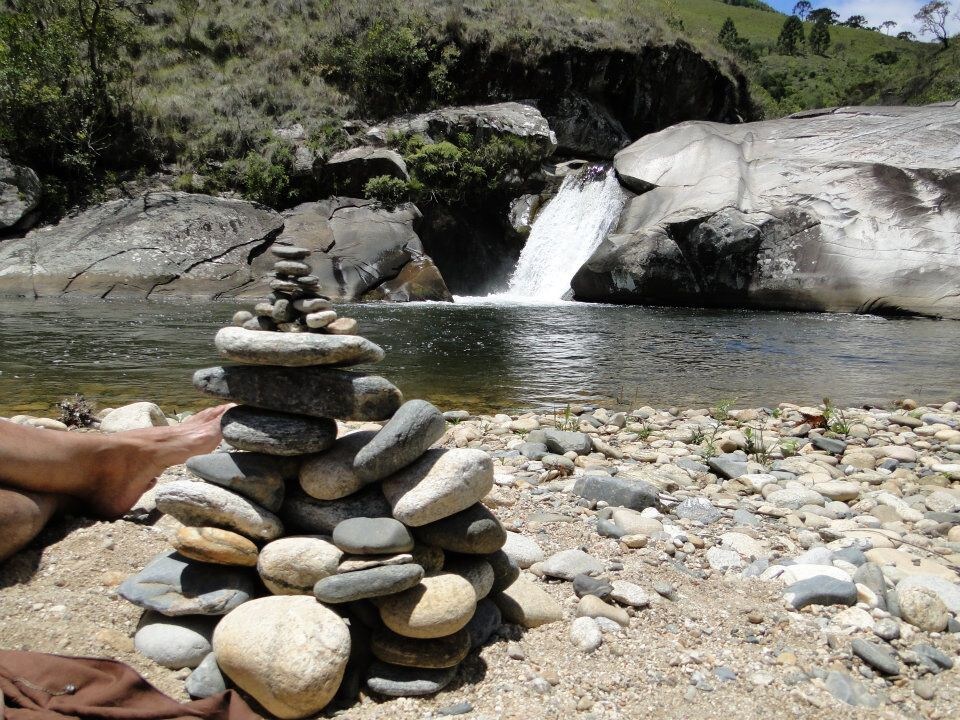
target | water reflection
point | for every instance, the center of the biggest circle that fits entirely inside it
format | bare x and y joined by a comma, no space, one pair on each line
486,356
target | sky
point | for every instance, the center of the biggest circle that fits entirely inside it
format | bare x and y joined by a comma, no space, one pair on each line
876,12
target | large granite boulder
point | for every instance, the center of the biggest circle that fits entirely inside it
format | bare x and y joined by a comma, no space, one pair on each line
361,251
348,171
845,210
19,195
480,121
160,245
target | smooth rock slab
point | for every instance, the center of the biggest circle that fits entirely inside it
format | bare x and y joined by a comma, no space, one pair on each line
174,643
567,564
256,476
302,513
435,654
319,392
201,504
475,531
276,433
398,681
370,583
214,545
633,494
439,484
407,435
527,604
289,653
441,605
294,565
173,585
372,536
821,590
295,349
330,475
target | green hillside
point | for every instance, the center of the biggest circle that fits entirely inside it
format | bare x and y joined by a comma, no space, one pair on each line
204,84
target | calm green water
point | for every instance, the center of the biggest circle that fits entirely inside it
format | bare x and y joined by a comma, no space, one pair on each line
484,356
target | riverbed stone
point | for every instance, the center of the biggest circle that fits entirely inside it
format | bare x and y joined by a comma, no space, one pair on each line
505,570
527,604
948,592
175,643
321,319
215,545
436,653
475,530
585,634
875,656
201,504
293,565
698,509
302,513
593,607
850,691
567,564
276,433
923,608
330,475
524,550
485,622
135,416
174,585
821,590
563,441
320,392
372,536
628,593
351,563
439,484
730,466
398,681
290,679
441,605
407,435
295,349
632,494
369,583
475,570
256,476
206,679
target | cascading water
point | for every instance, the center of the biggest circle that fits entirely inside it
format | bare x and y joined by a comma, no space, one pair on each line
565,234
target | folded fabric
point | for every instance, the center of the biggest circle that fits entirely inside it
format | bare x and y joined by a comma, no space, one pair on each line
36,686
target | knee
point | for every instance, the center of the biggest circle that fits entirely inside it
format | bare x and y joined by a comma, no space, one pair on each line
22,517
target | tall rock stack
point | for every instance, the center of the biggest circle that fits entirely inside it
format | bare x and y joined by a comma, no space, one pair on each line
374,556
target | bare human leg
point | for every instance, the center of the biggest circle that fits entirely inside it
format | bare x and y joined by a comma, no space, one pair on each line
108,473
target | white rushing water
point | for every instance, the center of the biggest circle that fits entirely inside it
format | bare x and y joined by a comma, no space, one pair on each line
564,235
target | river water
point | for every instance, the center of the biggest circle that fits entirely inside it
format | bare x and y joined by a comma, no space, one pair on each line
482,356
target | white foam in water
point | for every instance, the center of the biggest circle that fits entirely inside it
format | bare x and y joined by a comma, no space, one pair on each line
563,237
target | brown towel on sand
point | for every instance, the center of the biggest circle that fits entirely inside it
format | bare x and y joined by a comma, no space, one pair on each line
35,686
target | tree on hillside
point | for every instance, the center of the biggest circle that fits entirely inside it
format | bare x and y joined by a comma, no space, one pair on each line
906,35
933,20
728,36
791,36
820,38
888,25
855,21
823,15
802,9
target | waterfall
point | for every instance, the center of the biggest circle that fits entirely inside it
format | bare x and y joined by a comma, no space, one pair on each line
566,232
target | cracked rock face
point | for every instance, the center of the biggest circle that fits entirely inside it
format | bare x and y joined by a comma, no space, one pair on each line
846,210
160,245
19,195
360,251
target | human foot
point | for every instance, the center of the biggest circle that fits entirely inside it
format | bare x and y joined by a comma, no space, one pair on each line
135,458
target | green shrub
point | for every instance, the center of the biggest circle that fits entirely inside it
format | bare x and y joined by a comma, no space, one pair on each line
266,179
387,190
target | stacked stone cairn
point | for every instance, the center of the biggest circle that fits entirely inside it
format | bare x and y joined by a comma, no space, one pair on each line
373,555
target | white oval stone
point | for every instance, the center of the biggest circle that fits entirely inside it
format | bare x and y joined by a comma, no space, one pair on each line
293,565
200,504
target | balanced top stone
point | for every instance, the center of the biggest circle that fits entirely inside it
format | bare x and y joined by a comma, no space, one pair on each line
255,347
317,392
291,268
290,252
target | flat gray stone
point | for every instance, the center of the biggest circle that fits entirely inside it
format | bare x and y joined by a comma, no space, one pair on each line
524,550
206,680
302,513
532,450
372,536
821,590
505,570
173,585
699,509
728,466
633,494
256,476
199,504
253,347
361,584
852,692
276,433
562,441
567,564
398,681
586,585
317,392
830,445
875,656
174,643
475,531
407,435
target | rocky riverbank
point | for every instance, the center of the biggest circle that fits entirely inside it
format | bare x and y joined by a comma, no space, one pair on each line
791,560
